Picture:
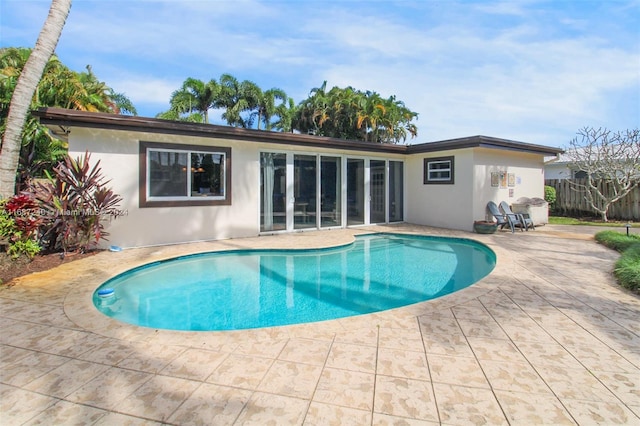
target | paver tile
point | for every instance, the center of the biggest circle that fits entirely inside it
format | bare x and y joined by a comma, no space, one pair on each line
291,379
158,398
405,398
464,405
264,408
456,371
328,414
346,388
212,404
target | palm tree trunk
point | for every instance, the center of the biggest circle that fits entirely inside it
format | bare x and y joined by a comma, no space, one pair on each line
23,93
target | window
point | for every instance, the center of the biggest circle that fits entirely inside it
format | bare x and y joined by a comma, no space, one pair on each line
580,174
184,175
438,170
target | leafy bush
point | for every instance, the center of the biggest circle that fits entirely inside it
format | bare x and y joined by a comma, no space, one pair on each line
550,195
76,204
19,222
627,269
617,240
26,247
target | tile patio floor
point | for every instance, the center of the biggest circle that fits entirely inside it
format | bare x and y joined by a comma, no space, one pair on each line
547,338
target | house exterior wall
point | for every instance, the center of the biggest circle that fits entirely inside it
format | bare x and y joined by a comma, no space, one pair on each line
527,169
441,205
557,171
453,206
458,205
118,153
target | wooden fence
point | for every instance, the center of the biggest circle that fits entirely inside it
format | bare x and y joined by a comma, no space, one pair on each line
570,200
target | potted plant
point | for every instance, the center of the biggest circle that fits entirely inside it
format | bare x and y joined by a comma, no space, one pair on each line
485,226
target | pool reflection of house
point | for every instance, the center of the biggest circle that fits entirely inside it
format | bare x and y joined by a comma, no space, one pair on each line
186,182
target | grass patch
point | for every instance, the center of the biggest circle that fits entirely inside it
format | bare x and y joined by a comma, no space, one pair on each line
627,268
561,220
616,240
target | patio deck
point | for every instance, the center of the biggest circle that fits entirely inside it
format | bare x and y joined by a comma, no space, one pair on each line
547,338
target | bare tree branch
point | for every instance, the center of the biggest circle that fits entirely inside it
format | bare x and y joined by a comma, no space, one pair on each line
610,159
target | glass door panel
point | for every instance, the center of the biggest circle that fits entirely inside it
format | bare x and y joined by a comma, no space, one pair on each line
273,189
305,191
396,194
355,191
330,191
377,170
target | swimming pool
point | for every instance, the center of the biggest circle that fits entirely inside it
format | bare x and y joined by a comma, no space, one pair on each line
244,289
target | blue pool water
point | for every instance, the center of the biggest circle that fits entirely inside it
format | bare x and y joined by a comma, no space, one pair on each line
262,288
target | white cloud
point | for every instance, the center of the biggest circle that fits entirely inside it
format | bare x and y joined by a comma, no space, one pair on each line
527,70
145,89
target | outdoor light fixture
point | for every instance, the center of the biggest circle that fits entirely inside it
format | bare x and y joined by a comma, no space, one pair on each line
628,225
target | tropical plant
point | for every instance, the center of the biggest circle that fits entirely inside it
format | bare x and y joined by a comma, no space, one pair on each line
172,115
122,104
606,158
19,222
243,103
238,99
75,203
285,112
23,94
347,113
61,87
193,101
266,107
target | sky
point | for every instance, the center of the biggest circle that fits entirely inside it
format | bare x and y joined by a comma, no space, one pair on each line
527,70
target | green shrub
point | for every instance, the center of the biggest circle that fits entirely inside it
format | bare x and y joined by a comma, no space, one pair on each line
617,240
19,222
27,247
76,204
550,195
627,269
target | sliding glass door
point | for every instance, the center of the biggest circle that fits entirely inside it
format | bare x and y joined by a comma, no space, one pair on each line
378,190
396,191
313,191
273,191
355,191
305,191
330,191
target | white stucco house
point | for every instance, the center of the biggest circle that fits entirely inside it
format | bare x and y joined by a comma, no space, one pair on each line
559,167
184,182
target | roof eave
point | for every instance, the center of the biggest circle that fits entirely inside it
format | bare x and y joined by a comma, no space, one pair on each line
57,117
483,142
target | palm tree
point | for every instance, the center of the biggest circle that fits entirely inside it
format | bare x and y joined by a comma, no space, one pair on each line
238,98
195,117
267,108
59,87
313,112
196,96
23,93
352,114
122,104
286,113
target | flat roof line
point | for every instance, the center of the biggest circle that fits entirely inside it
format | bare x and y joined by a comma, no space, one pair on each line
74,118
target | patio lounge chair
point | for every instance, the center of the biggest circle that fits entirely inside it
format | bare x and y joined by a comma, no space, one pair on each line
524,218
504,219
